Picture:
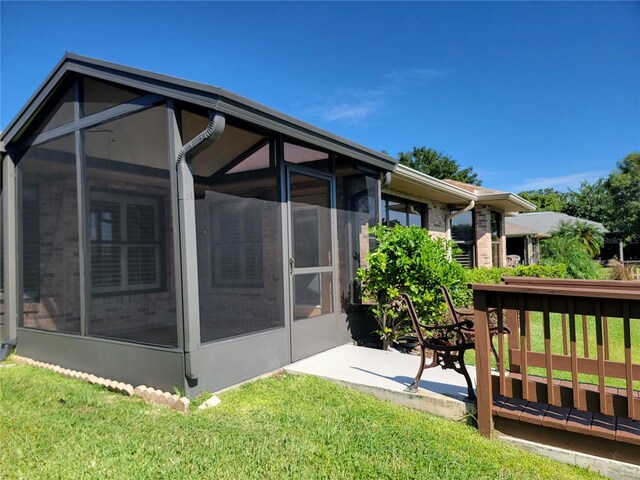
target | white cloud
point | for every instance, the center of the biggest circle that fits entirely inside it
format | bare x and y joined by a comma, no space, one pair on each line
349,112
564,182
414,75
354,105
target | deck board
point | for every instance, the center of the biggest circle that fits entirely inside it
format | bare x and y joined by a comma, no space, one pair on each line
628,431
512,408
620,429
603,426
579,422
556,417
533,412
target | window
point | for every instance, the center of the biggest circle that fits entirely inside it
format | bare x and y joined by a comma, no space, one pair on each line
462,235
127,242
496,234
31,242
237,244
397,211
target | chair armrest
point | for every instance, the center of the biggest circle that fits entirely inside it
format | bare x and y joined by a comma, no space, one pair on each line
451,326
470,312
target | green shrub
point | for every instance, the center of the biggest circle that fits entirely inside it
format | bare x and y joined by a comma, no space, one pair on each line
493,275
409,260
571,252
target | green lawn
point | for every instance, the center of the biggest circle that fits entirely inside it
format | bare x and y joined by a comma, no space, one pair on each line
616,345
281,427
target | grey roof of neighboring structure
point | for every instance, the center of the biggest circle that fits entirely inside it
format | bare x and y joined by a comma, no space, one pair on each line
541,223
207,96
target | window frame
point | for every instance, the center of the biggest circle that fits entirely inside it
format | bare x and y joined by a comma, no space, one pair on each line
471,244
424,209
218,278
124,198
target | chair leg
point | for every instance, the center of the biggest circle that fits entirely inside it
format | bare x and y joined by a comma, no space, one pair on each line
471,396
435,360
414,386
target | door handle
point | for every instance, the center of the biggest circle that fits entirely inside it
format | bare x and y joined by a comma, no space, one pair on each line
292,265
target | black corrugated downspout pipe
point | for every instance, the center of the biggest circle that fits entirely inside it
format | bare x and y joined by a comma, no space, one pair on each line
209,135
186,199
6,348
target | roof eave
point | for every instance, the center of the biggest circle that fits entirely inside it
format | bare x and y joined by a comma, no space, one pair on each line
519,204
421,179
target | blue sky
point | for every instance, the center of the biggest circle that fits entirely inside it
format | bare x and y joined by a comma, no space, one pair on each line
529,94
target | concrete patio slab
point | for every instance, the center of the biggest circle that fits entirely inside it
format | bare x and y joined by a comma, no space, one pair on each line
385,374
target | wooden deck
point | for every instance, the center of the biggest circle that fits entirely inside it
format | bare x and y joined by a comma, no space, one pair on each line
570,419
565,309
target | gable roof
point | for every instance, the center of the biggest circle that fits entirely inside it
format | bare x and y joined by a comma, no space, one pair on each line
207,96
541,223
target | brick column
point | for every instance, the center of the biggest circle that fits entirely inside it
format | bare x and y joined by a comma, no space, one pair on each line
483,236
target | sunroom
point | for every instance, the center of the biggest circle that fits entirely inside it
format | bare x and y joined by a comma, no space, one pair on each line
162,232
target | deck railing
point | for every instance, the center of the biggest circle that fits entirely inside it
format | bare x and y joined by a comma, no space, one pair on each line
571,359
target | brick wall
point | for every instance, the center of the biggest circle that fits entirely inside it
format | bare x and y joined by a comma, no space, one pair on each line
436,219
483,236
57,306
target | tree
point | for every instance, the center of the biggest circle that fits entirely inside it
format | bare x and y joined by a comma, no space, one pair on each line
438,165
624,187
592,201
547,199
591,237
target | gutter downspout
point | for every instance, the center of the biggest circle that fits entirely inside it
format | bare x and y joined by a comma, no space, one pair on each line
386,180
187,225
450,216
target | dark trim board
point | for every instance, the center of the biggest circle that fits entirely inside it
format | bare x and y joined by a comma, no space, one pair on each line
125,362
228,362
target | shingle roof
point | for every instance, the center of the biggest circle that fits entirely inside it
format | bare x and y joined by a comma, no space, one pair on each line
541,223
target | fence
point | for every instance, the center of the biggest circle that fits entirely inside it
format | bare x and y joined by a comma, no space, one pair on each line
571,359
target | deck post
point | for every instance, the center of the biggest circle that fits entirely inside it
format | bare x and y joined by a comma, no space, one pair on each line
483,364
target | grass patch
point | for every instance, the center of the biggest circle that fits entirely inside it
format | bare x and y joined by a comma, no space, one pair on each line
282,427
616,346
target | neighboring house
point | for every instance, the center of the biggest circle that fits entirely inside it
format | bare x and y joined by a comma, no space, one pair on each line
169,233
471,216
525,231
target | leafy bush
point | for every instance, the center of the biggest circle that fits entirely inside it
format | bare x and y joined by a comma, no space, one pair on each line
569,251
493,275
409,260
